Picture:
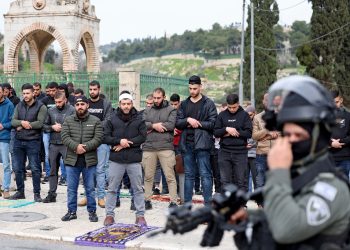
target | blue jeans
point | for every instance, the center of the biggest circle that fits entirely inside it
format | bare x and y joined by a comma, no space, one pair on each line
344,166
73,174
197,159
21,150
261,168
5,159
103,152
63,170
46,141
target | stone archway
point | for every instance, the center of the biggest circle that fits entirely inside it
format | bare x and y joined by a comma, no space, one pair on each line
39,37
39,23
86,40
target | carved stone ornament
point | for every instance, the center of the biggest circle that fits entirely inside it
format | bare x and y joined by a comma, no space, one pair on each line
39,4
86,5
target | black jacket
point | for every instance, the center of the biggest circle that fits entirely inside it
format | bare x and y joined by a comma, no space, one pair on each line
203,136
342,131
134,130
55,115
241,122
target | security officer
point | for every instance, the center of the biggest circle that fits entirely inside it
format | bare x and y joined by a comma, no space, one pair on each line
306,202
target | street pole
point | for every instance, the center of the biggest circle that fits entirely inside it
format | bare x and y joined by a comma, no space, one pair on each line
252,65
242,58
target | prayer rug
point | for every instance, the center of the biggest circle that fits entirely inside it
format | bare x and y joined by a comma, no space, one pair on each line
115,235
14,203
167,199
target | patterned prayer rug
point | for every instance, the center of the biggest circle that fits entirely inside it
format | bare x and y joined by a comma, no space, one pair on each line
115,235
167,199
14,203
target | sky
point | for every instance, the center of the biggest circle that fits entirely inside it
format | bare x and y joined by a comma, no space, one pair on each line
129,19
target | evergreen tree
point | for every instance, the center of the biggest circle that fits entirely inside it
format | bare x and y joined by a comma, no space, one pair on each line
319,56
342,66
266,16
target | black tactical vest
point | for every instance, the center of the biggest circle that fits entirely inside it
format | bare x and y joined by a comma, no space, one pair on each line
30,114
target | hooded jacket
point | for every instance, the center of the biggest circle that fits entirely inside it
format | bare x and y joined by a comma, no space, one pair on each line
6,114
341,131
55,115
133,129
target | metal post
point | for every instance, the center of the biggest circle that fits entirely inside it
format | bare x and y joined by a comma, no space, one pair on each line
242,58
252,65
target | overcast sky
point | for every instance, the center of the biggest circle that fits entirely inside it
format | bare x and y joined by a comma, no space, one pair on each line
123,19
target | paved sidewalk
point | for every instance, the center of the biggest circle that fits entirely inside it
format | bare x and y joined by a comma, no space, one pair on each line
52,228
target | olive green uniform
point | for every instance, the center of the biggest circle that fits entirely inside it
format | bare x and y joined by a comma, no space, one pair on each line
321,207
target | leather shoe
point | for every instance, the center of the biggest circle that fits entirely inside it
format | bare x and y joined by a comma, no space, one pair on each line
82,202
109,220
93,217
101,203
17,196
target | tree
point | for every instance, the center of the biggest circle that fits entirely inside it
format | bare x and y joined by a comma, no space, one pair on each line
327,31
266,16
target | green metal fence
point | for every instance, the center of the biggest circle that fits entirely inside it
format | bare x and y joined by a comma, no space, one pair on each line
171,85
109,81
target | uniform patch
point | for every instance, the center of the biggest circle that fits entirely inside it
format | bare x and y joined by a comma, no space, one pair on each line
317,211
325,190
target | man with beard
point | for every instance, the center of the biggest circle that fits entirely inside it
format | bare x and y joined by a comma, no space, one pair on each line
160,122
102,109
9,93
82,134
234,128
49,102
125,133
6,114
28,121
265,140
53,125
340,139
39,95
196,118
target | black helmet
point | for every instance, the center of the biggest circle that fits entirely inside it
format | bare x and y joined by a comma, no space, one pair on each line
304,101
284,101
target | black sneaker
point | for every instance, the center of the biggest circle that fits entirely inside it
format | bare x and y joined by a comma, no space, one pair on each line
37,198
156,191
45,180
62,182
199,192
132,206
165,191
148,205
51,197
17,196
69,216
93,217
172,204
117,204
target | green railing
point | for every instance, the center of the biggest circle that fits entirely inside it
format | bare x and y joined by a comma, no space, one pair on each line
109,81
171,85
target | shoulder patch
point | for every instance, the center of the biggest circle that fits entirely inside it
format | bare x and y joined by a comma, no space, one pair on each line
325,190
317,211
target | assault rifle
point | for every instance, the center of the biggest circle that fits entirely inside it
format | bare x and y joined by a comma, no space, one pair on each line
182,219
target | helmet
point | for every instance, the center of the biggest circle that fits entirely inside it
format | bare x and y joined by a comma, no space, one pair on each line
283,101
304,101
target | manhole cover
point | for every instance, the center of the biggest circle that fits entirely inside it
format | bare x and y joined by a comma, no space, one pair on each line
22,217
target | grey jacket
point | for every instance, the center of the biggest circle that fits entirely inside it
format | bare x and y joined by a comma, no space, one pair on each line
54,115
167,116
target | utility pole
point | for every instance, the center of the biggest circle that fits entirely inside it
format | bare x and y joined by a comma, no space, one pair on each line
242,58
252,65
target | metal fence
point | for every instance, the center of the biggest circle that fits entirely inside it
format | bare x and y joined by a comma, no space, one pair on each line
171,85
109,81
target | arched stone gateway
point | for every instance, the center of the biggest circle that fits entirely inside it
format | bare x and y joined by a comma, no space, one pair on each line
40,22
